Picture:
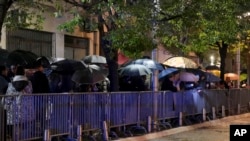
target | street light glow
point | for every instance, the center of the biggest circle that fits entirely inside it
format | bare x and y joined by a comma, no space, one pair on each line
211,60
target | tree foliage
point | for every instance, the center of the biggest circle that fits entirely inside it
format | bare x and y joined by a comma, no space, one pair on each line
134,25
23,14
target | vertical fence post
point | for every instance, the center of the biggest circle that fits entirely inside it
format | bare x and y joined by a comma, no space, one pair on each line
46,135
138,109
223,111
2,122
238,109
204,114
180,118
149,123
79,133
155,109
105,131
213,112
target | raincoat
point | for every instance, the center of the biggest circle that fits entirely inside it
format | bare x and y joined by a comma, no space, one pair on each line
20,108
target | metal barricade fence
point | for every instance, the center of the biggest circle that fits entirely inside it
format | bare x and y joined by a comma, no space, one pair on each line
26,117
244,99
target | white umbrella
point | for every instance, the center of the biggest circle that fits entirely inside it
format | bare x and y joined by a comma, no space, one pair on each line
180,62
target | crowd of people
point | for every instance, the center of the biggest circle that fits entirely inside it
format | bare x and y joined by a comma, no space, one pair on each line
17,80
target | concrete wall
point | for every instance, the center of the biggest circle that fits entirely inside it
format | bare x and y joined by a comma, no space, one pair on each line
51,25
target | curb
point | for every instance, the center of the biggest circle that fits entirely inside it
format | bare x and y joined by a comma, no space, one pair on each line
160,134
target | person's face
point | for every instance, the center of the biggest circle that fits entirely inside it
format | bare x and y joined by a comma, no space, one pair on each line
13,69
171,78
5,72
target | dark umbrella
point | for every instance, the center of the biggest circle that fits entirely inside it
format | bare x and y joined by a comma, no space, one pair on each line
67,66
149,63
102,69
44,61
88,76
22,57
167,72
94,59
134,70
212,78
212,67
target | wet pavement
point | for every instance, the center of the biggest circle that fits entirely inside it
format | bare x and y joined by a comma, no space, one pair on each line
214,130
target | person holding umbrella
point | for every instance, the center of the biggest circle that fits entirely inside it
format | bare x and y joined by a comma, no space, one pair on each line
40,84
171,83
39,80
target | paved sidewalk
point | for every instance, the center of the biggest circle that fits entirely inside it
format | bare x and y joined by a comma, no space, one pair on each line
215,130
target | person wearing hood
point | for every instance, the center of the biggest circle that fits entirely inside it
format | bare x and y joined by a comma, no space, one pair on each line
20,108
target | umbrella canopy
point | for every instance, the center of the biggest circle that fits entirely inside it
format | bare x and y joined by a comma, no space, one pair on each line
180,62
22,57
212,67
103,70
94,59
149,63
215,72
231,76
88,76
45,61
188,77
134,70
167,72
211,77
122,58
198,72
3,56
67,66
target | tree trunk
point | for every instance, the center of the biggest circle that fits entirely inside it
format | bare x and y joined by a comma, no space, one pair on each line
223,54
111,56
248,67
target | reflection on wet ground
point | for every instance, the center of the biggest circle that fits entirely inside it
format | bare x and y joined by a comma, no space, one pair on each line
218,131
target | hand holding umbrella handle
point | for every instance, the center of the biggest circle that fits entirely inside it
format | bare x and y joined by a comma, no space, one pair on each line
177,84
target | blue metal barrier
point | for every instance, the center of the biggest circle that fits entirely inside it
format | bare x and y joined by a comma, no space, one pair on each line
63,113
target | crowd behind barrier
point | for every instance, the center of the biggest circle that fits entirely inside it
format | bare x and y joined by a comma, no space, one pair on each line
64,114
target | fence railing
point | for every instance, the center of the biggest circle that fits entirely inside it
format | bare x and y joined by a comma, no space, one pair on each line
28,117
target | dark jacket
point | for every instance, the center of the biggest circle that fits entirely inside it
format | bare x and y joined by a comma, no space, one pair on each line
40,83
168,85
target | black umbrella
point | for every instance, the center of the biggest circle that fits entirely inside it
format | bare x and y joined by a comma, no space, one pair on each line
212,78
44,61
67,66
22,57
88,76
102,69
135,70
212,67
